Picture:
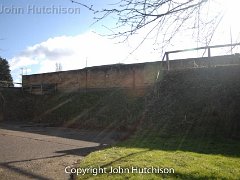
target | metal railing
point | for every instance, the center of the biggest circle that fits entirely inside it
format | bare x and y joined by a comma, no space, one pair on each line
8,83
208,48
40,88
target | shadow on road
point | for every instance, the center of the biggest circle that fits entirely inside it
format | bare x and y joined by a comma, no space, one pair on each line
27,174
98,136
25,147
81,151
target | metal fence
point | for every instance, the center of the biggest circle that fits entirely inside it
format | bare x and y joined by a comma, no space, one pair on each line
207,48
8,84
40,88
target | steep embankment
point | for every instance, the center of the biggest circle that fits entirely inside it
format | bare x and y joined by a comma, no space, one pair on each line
197,102
110,109
191,102
191,124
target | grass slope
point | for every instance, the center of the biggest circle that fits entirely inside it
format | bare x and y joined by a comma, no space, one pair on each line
191,124
99,110
191,159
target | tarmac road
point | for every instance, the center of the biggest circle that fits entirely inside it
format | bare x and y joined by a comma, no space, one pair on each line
30,151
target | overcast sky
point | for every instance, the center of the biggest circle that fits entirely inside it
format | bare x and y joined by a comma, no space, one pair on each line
36,34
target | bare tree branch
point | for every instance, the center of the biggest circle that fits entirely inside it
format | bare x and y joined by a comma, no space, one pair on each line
90,8
163,18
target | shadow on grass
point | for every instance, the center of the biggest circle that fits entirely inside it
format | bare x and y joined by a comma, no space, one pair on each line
123,157
178,175
206,145
150,143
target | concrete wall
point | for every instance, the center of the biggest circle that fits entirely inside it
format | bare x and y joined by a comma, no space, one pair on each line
109,76
133,76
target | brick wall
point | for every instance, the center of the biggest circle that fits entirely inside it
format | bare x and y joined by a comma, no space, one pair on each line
131,76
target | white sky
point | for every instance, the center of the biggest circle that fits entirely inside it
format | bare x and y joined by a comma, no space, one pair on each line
73,51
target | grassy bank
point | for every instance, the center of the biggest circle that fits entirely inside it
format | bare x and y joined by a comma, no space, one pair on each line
191,123
106,109
197,103
110,109
190,158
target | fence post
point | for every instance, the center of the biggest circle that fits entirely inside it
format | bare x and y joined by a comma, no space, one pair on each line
167,58
134,78
55,88
209,56
209,52
41,88
86,80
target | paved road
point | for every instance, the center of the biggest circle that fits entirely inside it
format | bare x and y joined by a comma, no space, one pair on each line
37,152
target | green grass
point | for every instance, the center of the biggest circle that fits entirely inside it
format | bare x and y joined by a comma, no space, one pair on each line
191,123
190,158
